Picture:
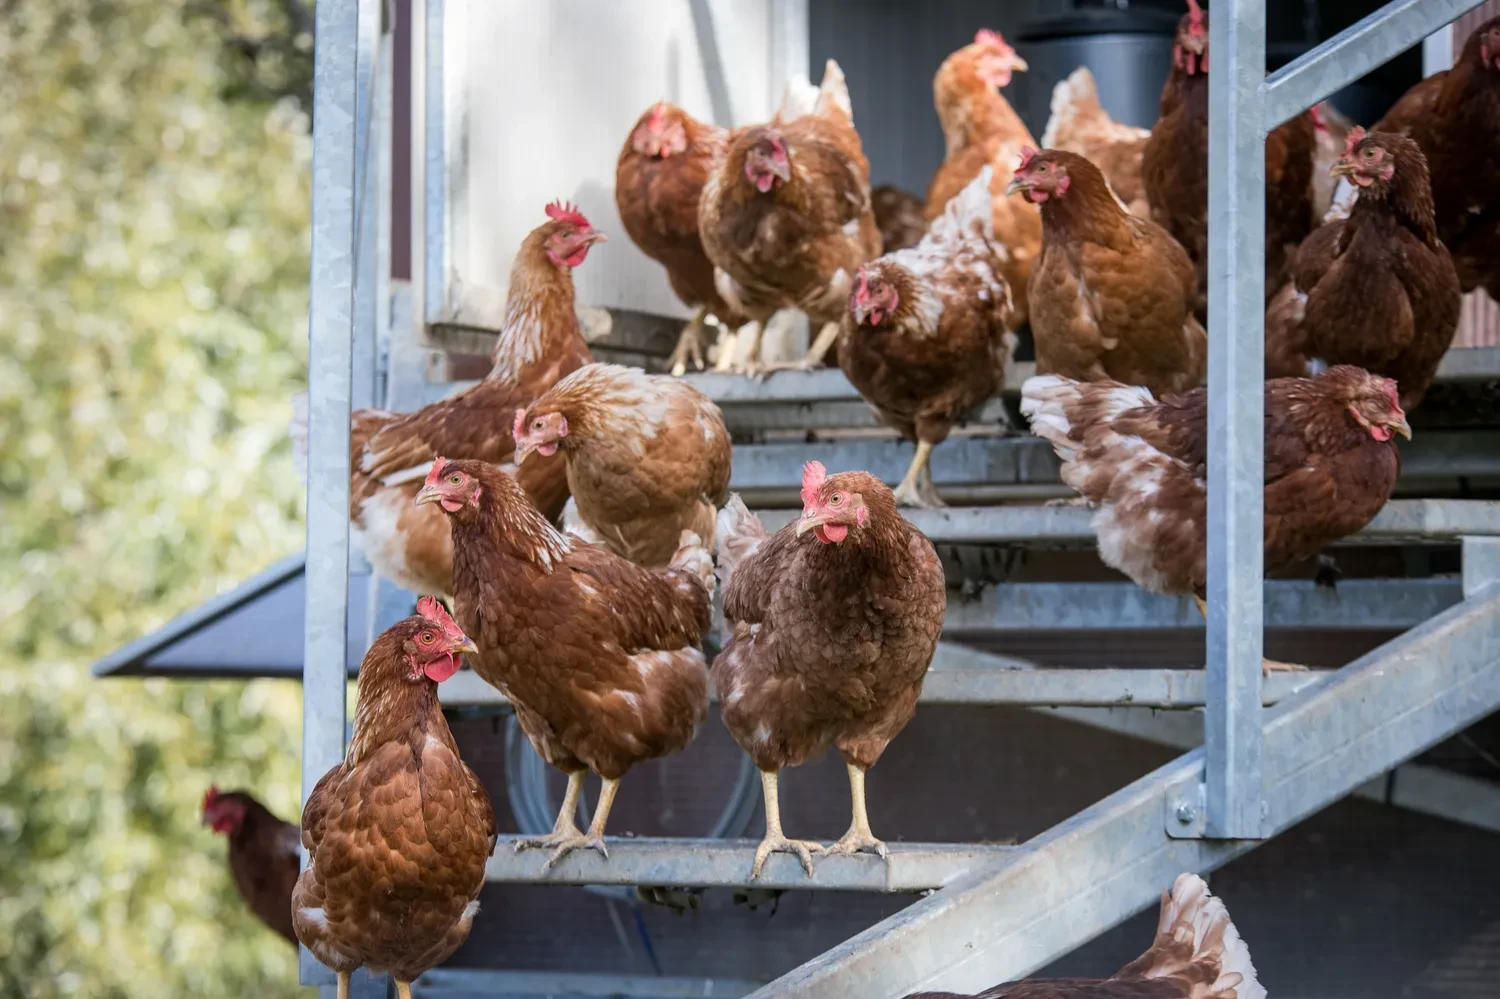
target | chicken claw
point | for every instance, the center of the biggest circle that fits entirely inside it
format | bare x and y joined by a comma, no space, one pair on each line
859,841
691,345
578,841
778,843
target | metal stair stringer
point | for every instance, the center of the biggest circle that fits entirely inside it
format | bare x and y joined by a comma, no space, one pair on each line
1110,861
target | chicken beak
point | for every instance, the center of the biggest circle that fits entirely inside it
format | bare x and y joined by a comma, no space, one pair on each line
1401,427
809,522
427,494
1016,184
523,451
467,645
597,237
1341,168
1018,64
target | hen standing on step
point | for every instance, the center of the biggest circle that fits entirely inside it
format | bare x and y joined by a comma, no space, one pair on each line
833,622
927,336
599,656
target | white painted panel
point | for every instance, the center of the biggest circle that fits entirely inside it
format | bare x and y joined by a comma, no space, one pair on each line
537,101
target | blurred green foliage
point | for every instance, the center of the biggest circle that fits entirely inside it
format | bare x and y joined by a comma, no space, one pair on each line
153,272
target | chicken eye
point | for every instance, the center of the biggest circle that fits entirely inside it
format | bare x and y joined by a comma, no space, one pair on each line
1369,153
1041,168
426,638
536,424
836,499
456,479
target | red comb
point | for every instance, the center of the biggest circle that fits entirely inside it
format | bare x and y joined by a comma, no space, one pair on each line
1352,139
813,477
658,113
1195,14
436,471
984,36
566,211
432,610
210,796
1027,155
1394,394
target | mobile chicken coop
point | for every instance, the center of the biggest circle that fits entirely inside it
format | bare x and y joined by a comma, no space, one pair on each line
1083,756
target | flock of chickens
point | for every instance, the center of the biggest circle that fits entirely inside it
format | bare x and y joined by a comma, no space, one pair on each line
571,512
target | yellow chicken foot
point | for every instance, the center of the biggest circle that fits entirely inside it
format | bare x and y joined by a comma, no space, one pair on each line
343,985
564,829
1267,666
859,839
751,334
403,990
916,488
594,838
775,841
690,346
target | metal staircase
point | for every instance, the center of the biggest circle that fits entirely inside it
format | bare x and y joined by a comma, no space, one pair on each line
1275,749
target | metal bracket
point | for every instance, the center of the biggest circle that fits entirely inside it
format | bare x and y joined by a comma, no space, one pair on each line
1481,562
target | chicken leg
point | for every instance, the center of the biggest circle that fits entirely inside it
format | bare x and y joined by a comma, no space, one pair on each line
594,838
565,835
815,354
690,345
343,985
775,840
728,357
858,839
403,990
916,488
1267,666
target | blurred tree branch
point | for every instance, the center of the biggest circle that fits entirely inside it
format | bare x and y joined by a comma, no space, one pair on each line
267,47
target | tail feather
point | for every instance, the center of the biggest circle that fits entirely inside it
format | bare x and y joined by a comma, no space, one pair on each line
692,557
834,93
1197,942
298,432
800,98
737,534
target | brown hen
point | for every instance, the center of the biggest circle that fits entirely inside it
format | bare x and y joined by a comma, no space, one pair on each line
1113,296
1455,117
390,452
397,835
786,215
927,336
982,129
647,456
832,621
1378,289
1330,465
599,656
659,180
1174,165
1197,954
263,857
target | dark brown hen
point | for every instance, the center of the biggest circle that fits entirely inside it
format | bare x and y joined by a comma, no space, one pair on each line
263,855
1197,954
659,180
832,621
599,656
1330,465
1174,165
1376,290
397,835
1455,117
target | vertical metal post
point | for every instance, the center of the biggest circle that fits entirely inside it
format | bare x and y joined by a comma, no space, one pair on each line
1236,374
369,195
330,350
